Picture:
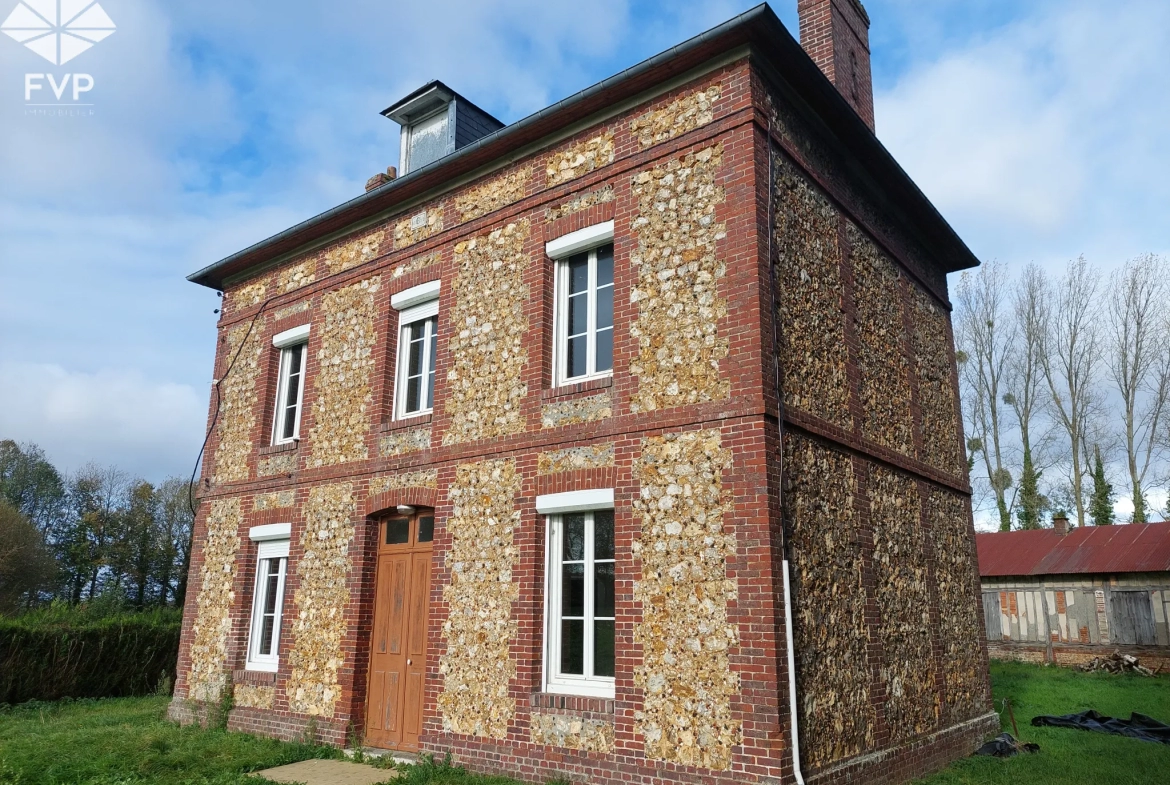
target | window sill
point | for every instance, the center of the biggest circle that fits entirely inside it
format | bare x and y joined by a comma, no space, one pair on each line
553,700
246,676
569,390
282,447
406,422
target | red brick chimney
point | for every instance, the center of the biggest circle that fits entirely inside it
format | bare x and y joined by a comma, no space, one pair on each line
1060,524
835,33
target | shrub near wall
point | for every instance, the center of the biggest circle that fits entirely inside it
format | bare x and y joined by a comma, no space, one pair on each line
64,652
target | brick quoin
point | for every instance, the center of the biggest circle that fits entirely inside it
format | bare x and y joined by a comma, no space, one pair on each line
733,94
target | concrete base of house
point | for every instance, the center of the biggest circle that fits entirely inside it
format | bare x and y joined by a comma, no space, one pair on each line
1156,658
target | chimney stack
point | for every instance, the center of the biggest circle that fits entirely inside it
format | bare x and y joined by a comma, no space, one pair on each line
835,33
1060,524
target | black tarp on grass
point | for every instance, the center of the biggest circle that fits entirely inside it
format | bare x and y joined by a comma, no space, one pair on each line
1138,726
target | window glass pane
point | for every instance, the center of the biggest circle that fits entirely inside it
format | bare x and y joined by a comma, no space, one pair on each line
578,273
296,353
426,528
290,423
272,578
573,647
605,265
603,534
431,365
414,363
573,590
575,361
603,589
578,315
573,539
413,393
604,307
266,630
605,350
428,141
397,531
603,658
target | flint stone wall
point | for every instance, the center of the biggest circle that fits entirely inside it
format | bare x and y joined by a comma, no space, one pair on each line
477,666
575,733
883,367
419,226
936,393
808,278
829,630
321,601
355,251
427,478
485,383
341,416
292,278
576,410
254,696
683,590
498,192
903,597
680,116
956,573
237,404
269,501
569,459
578,203
677,289
404,442
209,634
281,463
579,159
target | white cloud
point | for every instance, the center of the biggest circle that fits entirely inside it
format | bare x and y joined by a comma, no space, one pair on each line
147,427
1044,138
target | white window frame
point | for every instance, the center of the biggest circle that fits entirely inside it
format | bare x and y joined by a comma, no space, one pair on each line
416,304
559,250
267,550
553,680
408,131
289,341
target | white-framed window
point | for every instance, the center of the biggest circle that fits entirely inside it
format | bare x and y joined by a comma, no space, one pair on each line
418,324
290,386
583,304
579,604
427,140
267,605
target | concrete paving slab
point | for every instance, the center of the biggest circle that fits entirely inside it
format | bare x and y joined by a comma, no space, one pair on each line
328,772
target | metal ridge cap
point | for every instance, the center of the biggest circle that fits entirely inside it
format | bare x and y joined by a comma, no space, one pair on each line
379,195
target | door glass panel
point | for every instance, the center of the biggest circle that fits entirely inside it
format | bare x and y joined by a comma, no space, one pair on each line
426,528
397,531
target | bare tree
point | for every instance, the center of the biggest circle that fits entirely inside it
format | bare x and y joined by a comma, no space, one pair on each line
1139,364
986,338
1025,394
1071,360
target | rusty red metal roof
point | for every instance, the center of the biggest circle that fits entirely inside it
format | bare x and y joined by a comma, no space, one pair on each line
1134,547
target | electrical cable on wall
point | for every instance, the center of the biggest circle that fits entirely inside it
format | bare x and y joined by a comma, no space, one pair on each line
218,401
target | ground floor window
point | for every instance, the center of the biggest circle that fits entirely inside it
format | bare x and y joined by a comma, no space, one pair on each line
580,655
267,606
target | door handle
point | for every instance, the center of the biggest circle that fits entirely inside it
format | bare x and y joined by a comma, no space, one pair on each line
408,661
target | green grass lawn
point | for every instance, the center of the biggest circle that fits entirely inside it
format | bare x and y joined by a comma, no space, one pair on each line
128,740
1070,756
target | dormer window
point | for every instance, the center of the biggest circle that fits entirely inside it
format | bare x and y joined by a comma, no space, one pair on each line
436,121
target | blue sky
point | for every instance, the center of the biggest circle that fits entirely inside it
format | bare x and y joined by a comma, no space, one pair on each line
1038,128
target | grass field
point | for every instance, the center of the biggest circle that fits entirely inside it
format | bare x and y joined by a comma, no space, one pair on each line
127,741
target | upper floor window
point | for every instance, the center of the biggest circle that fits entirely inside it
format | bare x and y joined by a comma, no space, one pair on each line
268,597
583,311
418,323
290,386
427,141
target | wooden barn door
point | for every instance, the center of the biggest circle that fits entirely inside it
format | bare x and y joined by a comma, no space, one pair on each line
398,647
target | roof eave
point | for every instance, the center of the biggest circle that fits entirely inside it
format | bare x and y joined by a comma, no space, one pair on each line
758,26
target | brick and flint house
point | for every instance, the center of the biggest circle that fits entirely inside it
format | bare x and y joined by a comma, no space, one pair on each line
621,443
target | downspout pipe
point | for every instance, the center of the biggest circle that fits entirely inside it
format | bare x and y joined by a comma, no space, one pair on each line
792,709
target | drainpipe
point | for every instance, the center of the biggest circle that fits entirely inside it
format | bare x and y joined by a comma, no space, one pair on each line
791,671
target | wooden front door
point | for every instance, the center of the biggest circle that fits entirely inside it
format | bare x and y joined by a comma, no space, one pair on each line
398,648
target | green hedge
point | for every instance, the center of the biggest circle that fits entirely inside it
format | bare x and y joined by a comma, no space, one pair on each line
63,652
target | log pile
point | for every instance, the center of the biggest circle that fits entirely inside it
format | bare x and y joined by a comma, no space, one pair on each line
1115,663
